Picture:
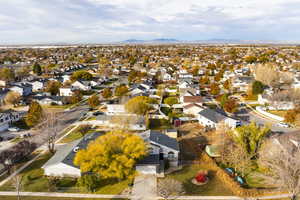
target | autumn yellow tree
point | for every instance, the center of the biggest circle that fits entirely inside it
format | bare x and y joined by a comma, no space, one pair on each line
139,105
112,155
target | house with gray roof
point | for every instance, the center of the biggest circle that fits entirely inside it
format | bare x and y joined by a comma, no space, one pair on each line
162,148
211,118
61,164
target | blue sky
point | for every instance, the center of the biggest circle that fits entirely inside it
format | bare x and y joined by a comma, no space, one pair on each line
101,21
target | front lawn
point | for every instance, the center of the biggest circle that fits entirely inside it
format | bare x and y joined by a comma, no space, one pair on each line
33,180
215,187
32,177
74,135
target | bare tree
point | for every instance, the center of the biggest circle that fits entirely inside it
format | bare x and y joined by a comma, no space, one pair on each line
236,157
267,74
282,160
12,98
50,130
167,187
17,184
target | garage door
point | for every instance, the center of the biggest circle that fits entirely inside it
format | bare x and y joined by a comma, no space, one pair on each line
147,169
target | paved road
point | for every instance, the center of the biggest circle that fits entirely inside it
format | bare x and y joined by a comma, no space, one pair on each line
144,187
247,116
65,119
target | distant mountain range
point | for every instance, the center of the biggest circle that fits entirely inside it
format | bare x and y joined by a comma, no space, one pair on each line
210,41
158,40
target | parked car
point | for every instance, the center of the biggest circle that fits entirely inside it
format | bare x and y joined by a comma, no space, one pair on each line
13,129
284,125
25,135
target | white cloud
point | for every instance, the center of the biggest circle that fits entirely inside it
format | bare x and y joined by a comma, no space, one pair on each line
114,20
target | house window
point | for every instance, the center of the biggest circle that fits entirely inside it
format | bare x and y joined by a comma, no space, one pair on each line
150,150
171,155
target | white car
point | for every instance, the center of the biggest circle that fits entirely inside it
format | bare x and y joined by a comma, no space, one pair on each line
284,125
13,129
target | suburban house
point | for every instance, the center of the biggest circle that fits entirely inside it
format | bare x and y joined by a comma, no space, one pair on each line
192,109
61,164
82,85
241,83
48,100
7,118
162,148
211,118
65,92
24,89
38,85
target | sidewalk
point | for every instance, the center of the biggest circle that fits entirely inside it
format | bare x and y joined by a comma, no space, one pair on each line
66,195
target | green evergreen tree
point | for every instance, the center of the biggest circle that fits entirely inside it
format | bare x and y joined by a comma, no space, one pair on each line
37,69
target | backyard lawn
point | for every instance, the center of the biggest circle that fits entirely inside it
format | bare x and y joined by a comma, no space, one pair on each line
215,187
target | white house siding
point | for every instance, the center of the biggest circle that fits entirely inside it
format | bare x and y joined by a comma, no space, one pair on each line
146,169
17,89
66,92
62,170
36,86
232,123
206,122
166,150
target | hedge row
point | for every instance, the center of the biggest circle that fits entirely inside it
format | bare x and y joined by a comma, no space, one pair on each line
234,186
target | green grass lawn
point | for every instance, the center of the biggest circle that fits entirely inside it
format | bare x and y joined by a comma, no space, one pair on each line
91,118
215,187
33,180
32,177
74,135
113,186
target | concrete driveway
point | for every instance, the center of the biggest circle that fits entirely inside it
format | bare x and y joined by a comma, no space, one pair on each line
144,187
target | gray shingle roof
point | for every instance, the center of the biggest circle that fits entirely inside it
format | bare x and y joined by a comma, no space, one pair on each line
66,153
164,140
212,115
